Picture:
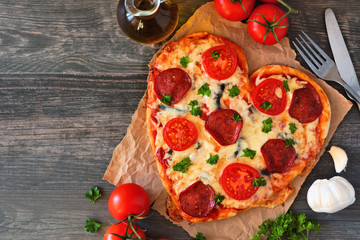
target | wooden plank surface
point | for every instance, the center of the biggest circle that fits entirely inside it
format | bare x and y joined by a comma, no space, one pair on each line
69,84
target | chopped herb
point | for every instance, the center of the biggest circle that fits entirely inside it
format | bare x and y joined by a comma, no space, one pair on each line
290,225
289,142
258,182
219,198
183,165
93,193
249,153
199,236
166,99
213,159
266,105
184,61
234,91
267,125
286,86
196,111
204,90
215,55
92,226
236,117
292,127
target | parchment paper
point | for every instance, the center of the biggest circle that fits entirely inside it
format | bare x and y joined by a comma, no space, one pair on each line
133,160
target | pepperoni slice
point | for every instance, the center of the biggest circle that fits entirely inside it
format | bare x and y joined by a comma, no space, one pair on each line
272,91
223,127
160,157
174,82
179,134
278,158
236,180
197,200
219,62
306,105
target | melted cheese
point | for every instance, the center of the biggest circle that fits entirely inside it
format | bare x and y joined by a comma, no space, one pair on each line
250,137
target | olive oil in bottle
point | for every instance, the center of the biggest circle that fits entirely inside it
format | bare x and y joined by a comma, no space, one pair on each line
147,21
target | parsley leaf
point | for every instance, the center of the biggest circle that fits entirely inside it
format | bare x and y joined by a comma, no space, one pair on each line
92,226
258,182
93,193
212,160
219,198
183,165
215,55
266,105
166,99
286,86
289,225
195,111
204,90
249,153
267,125
289,142
236,117
292,127
199,236
234,91
184,61
263,230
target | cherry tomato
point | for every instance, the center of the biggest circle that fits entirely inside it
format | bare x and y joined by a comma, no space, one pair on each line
219,62
120,229
236,180
269,91
267,14
179,134
234,10
126,199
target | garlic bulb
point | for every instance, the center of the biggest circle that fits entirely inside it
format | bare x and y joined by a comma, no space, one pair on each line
330,195
340,158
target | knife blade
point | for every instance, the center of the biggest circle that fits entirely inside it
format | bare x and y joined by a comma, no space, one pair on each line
341,55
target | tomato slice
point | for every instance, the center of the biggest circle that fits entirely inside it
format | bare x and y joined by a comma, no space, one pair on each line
236,181
219,62
269,91
179,134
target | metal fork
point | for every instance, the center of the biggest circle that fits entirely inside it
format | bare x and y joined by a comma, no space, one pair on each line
320,63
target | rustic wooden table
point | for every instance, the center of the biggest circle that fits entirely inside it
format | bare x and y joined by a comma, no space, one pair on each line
69,83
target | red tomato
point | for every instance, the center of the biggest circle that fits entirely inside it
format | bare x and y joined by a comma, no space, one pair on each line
179,134
268,91
219,62
126,199
234,10
120,229
268,15
236,180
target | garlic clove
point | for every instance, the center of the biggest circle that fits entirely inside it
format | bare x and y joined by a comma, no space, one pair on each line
340,158
330,196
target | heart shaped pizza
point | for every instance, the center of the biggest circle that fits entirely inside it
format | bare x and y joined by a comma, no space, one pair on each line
225,142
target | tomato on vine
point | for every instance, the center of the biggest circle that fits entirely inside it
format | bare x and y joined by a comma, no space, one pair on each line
268,24
129,200
123,231
234,10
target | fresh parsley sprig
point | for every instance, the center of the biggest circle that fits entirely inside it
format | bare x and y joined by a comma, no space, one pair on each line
195,111
267,125
236,117
286,86
199,236
234,91
292,127
294,226
184,61
249,153
213,159
219,198
289,142
183,165
166,99
215,55
93,194
259,182
266,106
204,90
92,226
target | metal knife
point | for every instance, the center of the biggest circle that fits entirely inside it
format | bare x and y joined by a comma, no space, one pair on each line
340,52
